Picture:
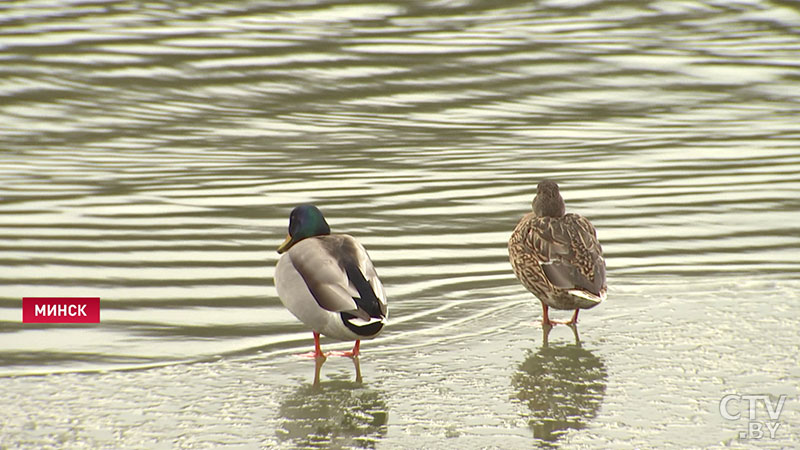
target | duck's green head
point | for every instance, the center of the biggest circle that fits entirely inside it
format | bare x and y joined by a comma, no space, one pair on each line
305,221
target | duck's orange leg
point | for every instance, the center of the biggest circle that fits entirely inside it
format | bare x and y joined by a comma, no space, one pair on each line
545,317
317,353
350,353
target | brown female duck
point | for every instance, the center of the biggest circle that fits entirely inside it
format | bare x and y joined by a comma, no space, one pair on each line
557,256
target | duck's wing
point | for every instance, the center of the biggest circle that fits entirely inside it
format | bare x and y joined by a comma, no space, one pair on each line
340,275
368,270
579,265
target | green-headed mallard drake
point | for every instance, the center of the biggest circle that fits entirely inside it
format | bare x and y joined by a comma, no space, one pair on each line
557,256
329,283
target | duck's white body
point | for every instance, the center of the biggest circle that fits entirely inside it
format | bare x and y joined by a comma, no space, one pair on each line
330,284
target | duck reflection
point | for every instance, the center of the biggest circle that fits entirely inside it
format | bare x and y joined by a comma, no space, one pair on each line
334,414
563,385
319,360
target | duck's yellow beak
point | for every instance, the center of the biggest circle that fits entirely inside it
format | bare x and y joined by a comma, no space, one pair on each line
286,244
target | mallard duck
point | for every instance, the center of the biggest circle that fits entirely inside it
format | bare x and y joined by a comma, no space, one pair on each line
557,256
329,283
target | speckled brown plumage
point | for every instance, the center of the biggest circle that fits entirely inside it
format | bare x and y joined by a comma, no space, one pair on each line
557,256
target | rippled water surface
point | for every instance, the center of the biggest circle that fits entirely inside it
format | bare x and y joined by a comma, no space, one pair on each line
150,154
